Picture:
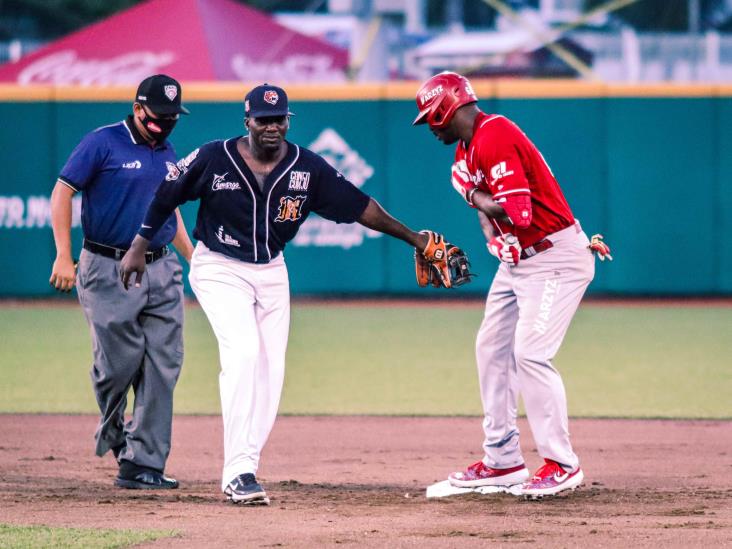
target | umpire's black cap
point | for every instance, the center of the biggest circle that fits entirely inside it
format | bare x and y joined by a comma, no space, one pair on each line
266,100
162,94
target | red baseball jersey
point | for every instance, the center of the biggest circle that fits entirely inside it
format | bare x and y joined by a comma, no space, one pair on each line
503,162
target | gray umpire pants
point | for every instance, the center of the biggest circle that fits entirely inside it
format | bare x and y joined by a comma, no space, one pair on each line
137,339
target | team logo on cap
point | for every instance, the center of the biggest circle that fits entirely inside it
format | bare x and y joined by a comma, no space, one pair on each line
271,97
171,91
434,92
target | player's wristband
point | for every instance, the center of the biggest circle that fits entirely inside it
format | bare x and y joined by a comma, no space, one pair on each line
469,196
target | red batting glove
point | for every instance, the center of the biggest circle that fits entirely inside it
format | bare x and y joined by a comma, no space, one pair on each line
462,181
506,248
599,247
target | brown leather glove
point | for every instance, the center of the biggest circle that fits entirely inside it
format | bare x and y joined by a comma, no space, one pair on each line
446,265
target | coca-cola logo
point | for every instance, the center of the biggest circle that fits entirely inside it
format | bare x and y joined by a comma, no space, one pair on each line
66,68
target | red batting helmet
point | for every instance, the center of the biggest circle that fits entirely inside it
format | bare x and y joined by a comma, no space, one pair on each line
441,96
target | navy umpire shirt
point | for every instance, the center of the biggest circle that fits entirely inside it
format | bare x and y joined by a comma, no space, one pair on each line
237,218
118,172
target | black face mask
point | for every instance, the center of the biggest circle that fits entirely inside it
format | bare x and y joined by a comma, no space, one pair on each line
158,128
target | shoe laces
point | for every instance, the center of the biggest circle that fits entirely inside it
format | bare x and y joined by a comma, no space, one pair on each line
548,469
477,467
247,478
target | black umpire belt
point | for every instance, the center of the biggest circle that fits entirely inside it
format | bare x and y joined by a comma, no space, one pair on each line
541,246
119,253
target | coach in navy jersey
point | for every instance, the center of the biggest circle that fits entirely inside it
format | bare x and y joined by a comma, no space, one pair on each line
136,342
255,192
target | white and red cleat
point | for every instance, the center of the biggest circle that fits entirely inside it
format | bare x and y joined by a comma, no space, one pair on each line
550,479
479,474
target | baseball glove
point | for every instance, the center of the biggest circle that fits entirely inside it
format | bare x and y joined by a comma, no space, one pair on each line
426,274
441,263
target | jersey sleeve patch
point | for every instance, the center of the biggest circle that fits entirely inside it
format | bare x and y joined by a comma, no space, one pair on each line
499,171
173,171
184,163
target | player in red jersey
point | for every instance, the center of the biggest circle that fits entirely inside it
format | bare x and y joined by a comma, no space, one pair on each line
546,264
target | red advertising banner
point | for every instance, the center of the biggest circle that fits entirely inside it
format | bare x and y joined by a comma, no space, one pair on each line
191,40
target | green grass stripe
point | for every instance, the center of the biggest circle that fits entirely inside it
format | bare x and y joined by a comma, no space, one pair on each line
616,361
34,537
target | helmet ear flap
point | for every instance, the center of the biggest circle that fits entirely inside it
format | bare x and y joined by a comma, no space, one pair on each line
437,114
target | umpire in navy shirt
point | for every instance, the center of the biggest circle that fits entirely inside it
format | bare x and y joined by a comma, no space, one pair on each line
136,342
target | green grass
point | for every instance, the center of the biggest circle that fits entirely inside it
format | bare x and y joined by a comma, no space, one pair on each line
22,537
616,361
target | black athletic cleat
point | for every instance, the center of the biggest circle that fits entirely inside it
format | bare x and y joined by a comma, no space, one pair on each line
136,477
245,489
117,450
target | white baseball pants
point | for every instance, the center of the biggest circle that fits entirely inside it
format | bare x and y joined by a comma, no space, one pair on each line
528,311
248,306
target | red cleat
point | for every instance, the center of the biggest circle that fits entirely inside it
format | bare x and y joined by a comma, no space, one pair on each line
479,474
551,479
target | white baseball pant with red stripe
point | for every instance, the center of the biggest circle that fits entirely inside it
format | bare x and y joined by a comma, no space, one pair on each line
528,311
248,306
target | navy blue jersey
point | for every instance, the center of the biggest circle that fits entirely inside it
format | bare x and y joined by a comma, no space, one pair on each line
240,220
118,173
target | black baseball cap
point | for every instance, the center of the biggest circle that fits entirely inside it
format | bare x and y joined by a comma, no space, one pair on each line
161,93
266,100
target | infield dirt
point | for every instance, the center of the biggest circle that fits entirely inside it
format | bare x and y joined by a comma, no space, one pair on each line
360,481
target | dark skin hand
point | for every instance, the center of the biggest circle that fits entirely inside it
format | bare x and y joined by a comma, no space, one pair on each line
134,262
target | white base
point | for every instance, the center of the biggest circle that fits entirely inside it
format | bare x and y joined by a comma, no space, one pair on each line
444,489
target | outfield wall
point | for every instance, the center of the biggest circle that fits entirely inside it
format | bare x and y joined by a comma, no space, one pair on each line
648,166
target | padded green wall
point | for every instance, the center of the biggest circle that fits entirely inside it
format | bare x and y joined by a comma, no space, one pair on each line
651,173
